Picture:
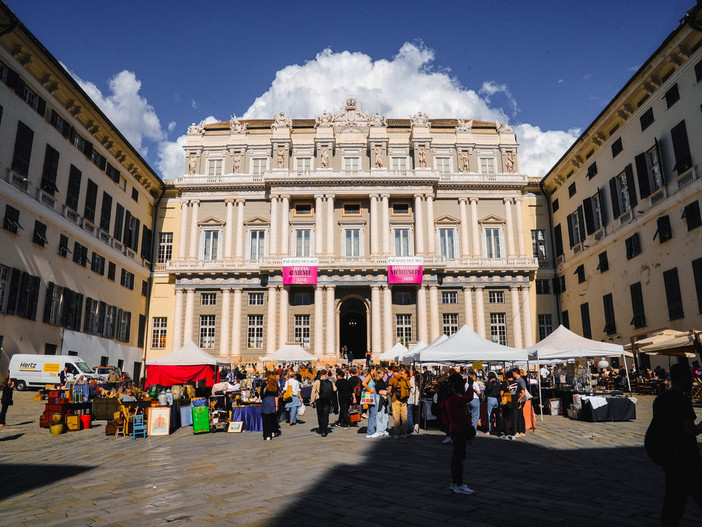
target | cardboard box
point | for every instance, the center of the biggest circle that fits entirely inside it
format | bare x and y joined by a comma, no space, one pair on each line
73,422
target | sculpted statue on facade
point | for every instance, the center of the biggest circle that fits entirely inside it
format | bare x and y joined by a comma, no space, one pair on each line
464,126
503,127
509,163
197,128
378,160
465,162
324,157
192,164
377,120
281,121
323,119
421,157
235,127
281,157
236,163
420,119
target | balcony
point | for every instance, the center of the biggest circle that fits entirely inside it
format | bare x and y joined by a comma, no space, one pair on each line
686,178
46,199
17,180
658,196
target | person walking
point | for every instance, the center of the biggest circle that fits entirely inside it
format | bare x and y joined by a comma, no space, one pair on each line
518,404
323,391
296,402
383,403
413,403
369,386
269,407
400,389
6,400
493,392
460,430
345,394
474,404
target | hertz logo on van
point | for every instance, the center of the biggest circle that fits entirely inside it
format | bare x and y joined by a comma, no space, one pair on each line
28,366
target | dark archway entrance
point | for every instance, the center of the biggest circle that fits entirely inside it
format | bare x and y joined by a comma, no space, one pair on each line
352,327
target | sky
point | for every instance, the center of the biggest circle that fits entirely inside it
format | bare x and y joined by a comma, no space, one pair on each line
547,68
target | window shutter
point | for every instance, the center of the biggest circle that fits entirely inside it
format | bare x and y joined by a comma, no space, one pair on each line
581,222
661,164
603,209
127,237
41,106
589,218
681,148
78,310
13,292
615,197
119,222
570,230
88,148
558,239
47,302
642,175
629,171
67,306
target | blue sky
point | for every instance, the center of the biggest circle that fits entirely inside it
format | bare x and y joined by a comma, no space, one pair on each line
546,67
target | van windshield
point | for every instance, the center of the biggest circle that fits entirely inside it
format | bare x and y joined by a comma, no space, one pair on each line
83,367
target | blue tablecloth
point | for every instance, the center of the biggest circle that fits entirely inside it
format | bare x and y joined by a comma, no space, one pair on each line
251,417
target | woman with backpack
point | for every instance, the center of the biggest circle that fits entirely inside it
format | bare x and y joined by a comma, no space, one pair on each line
323,391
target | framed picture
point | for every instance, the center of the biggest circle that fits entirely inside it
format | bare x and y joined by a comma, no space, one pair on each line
236,426
159,421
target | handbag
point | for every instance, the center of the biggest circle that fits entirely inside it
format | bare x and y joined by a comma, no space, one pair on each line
301,410
367,398
287,396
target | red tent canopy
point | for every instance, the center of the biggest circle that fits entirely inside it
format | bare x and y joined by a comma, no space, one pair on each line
186,365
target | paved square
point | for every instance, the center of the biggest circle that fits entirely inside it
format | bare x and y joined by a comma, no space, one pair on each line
567,473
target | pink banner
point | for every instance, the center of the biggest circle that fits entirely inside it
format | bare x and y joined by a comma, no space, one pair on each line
300,271
407,270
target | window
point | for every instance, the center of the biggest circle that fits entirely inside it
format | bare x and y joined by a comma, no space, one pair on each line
637,306
39,235
124,322
487,165
259,166
450,324
447,244
561,284
22,294
351,209
303,164
648,171
144,288
352,242
301,299
554,205
496,297
4,282
443,165
543,287
403,328
23,149
113,173
580,272
165,247
303,209
97,264
545,326
80,254
210,244
256,299
401,209
302,242
402,242
256,244
135,194
50,171
214,167
127,279
538,245
696,271
98,160
493,243
610,324
576,227
571,190
558,240
672,96
449,297
592,212
73,189
633,246
207,331
158,332
90,201
254,332
664,230
131,231
623,192
63,249
646,119
691,215
672,294
60,124
351,164
208,299
617,147
603,264
119,222
565,319
403,298
585,320
498,328
398,163
301,331
698,71
681,148
111,271
592,170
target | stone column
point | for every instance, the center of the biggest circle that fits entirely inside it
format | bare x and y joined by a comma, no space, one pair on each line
374,224
431,231
273,242
526,314
178,320
509,227
240,234
465,248
516,316
226,321
422,313
283,323
331,225
418,225
183,228
236,325
376,328
270,324
228,229
318,228
195,206
468,307
386,224
330,325
285,226
388,322
434,327
318,321
521,235
477,251
189,314
479,312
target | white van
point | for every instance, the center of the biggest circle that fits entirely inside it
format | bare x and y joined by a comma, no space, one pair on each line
36,371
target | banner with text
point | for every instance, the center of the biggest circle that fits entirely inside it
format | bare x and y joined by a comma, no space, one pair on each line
300,271
405,269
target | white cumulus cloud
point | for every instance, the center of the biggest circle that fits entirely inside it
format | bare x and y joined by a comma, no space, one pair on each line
539,150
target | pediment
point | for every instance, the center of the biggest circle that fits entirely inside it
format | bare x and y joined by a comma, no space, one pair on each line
257,220
211,222
491,219
446,219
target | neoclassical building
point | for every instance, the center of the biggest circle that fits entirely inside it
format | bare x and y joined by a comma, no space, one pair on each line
349,229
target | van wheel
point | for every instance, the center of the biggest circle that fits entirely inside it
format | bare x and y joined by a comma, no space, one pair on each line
21,386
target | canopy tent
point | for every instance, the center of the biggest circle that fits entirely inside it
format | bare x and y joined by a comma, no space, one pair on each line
187,364
654,338
398,350
413,353
289,353
684,344
467,346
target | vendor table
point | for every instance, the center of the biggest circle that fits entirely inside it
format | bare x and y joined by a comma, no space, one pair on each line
613,409
250,415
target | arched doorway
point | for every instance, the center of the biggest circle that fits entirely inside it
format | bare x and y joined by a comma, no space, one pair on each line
353,327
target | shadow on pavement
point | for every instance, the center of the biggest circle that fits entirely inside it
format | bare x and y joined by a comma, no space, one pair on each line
19,478
11,438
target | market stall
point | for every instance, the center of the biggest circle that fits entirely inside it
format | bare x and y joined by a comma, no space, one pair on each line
185,365
289,353
391,355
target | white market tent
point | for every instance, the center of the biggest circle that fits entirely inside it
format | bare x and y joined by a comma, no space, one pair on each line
413,353
467,346
289,353
398,350
670,342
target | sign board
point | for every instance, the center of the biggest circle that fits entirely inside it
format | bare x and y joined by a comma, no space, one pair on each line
300,271
405,269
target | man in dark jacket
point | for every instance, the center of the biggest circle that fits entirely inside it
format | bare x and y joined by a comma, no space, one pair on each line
345,393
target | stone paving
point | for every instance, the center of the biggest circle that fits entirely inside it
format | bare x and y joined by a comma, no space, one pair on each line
566,473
